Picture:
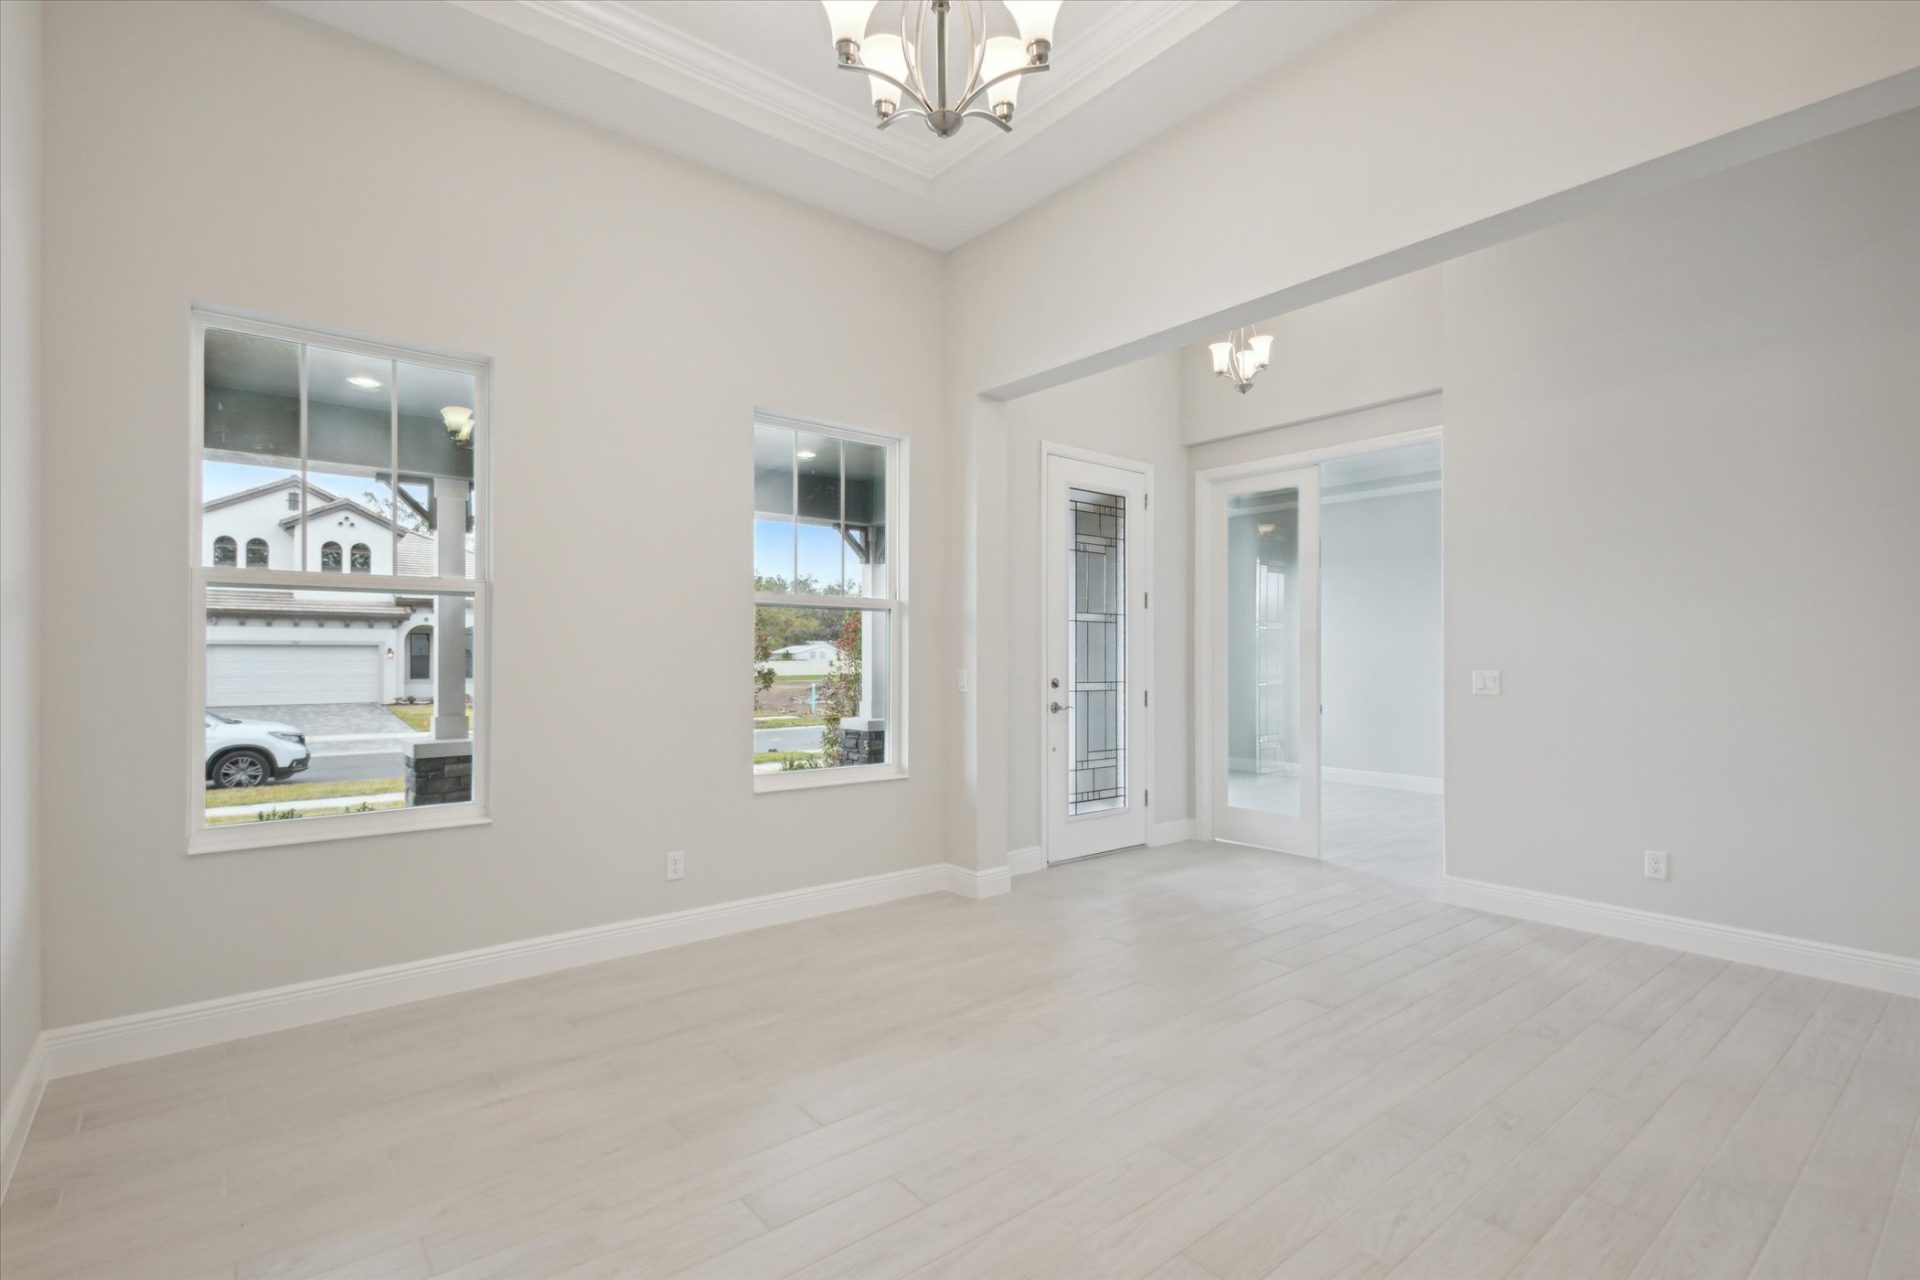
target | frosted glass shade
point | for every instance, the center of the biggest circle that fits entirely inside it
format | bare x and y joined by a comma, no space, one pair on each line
1222,356
1262,347
1246,364
848,18
1035,18
884,53
1003,54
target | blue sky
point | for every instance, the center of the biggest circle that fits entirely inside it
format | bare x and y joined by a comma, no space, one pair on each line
217,479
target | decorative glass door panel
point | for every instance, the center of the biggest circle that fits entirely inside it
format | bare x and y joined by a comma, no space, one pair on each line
1096,658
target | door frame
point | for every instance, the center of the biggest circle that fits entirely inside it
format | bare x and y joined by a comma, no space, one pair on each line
1050,450
1204,572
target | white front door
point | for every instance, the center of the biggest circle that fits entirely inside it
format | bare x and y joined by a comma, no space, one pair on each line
1099,549
1261,591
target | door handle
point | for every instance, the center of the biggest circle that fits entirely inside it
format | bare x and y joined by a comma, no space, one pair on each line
1055,707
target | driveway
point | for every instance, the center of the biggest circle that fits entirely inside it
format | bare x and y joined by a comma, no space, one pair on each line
337,728
326,719
799,738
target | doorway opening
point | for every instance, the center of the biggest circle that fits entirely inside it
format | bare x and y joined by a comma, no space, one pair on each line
1319,651
1381,670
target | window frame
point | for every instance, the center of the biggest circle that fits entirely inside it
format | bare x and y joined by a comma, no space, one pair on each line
894,605
201,838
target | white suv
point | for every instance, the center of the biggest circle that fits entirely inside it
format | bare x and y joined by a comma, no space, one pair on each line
250,753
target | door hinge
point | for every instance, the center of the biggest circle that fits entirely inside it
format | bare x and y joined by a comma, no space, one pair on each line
1147,796
1146,502
1146,697
1146,599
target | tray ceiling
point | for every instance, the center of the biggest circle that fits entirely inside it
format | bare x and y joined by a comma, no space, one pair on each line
749,87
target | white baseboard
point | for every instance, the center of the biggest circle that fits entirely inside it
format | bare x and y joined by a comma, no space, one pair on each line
16,1113
1170,832
112,1041
1875,969
969,883
1394,781
1024,861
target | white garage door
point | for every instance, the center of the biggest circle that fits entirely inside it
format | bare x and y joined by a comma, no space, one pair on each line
257,675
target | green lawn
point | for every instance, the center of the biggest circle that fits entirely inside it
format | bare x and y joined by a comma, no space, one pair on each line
787,722
781,757
419,715
303,791
348,805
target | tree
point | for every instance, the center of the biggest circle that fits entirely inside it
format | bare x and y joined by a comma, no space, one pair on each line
762,654
840,691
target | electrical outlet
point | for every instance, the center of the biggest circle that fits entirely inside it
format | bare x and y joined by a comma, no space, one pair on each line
676,865
963,679
1656,865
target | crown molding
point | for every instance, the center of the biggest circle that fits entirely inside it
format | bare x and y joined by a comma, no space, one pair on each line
1131,34
627,40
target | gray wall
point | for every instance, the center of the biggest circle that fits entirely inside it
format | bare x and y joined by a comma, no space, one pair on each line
1380,654
19,540
594,273
1683,516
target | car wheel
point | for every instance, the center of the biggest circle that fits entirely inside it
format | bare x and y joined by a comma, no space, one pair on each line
242,769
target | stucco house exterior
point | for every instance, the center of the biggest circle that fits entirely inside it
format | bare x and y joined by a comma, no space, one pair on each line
279,647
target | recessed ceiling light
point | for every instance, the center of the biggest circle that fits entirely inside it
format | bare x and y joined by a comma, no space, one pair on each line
804,454
363,382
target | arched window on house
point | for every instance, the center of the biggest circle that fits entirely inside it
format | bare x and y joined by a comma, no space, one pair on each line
362,558
420,654
225,553
257,553
330,558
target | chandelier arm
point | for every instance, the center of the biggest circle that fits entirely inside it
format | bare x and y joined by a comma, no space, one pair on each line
978,114
977,52
913,94
912,51
1029,69
902,114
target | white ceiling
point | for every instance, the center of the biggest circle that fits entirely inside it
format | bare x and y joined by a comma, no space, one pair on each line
750,87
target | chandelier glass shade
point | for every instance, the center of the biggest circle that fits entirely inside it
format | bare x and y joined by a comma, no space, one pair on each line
921,73
1240,355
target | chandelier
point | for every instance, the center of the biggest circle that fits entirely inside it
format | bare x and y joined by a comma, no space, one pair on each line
1240,355
989,68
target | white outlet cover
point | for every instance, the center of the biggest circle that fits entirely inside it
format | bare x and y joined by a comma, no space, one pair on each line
1656,865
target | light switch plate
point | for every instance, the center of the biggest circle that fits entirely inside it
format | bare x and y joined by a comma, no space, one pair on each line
1486,683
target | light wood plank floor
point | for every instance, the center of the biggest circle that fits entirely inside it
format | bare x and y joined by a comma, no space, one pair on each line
1186,1063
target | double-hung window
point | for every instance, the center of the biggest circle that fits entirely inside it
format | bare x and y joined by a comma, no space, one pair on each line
334,687
830,615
